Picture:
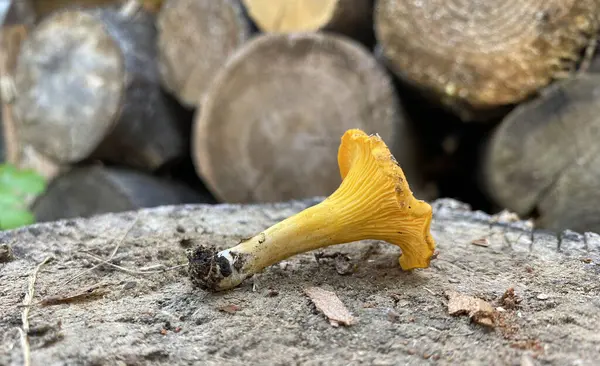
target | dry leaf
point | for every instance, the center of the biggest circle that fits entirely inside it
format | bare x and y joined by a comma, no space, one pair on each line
329,304
479,311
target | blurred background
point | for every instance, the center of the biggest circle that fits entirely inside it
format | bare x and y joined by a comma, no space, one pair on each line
114,105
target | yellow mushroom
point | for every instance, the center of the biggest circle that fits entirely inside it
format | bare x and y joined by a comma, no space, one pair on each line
374,201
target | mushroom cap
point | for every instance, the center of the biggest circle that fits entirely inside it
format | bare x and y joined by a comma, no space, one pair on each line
373,181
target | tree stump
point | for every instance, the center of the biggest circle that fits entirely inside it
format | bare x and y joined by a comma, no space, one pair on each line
270,126
351,17
92,190
88,86
195,37
544,159
477,55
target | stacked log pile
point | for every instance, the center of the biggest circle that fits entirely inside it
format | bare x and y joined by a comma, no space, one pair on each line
493,103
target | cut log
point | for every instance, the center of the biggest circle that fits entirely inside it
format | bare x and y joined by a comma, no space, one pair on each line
195,37
544,159
270,126
475,56
88,86
47,7
351,17
44,8
91,190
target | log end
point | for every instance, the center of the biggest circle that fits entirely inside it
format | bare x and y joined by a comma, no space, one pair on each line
291,16
69,81
195,38
541,161
484,54
270,124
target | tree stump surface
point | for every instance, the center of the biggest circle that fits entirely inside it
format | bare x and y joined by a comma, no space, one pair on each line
401,318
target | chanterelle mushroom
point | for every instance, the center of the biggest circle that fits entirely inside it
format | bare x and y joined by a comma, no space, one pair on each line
373,201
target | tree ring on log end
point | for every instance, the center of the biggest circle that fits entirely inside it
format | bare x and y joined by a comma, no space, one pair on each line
70,82
484,53
269,128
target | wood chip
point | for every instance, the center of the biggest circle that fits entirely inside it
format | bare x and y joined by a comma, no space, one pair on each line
482,242
330,305
479,311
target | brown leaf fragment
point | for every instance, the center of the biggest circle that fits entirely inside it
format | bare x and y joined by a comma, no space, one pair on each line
482,242
479,311
330,305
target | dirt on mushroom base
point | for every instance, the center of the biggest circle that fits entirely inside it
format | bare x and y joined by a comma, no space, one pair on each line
401,317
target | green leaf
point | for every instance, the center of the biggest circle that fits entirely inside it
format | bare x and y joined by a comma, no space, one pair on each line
21,182
14,218
8,199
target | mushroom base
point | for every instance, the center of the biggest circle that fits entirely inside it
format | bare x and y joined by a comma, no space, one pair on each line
215,271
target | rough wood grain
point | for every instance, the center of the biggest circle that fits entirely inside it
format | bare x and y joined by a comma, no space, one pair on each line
351,17
270,125
401,318
476,55
543,159
88,86
94,190
195,38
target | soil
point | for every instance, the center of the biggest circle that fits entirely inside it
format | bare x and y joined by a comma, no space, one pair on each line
544,291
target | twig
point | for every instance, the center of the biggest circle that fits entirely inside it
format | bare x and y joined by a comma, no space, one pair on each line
132,271
428,290
112,255
25,315
96,290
